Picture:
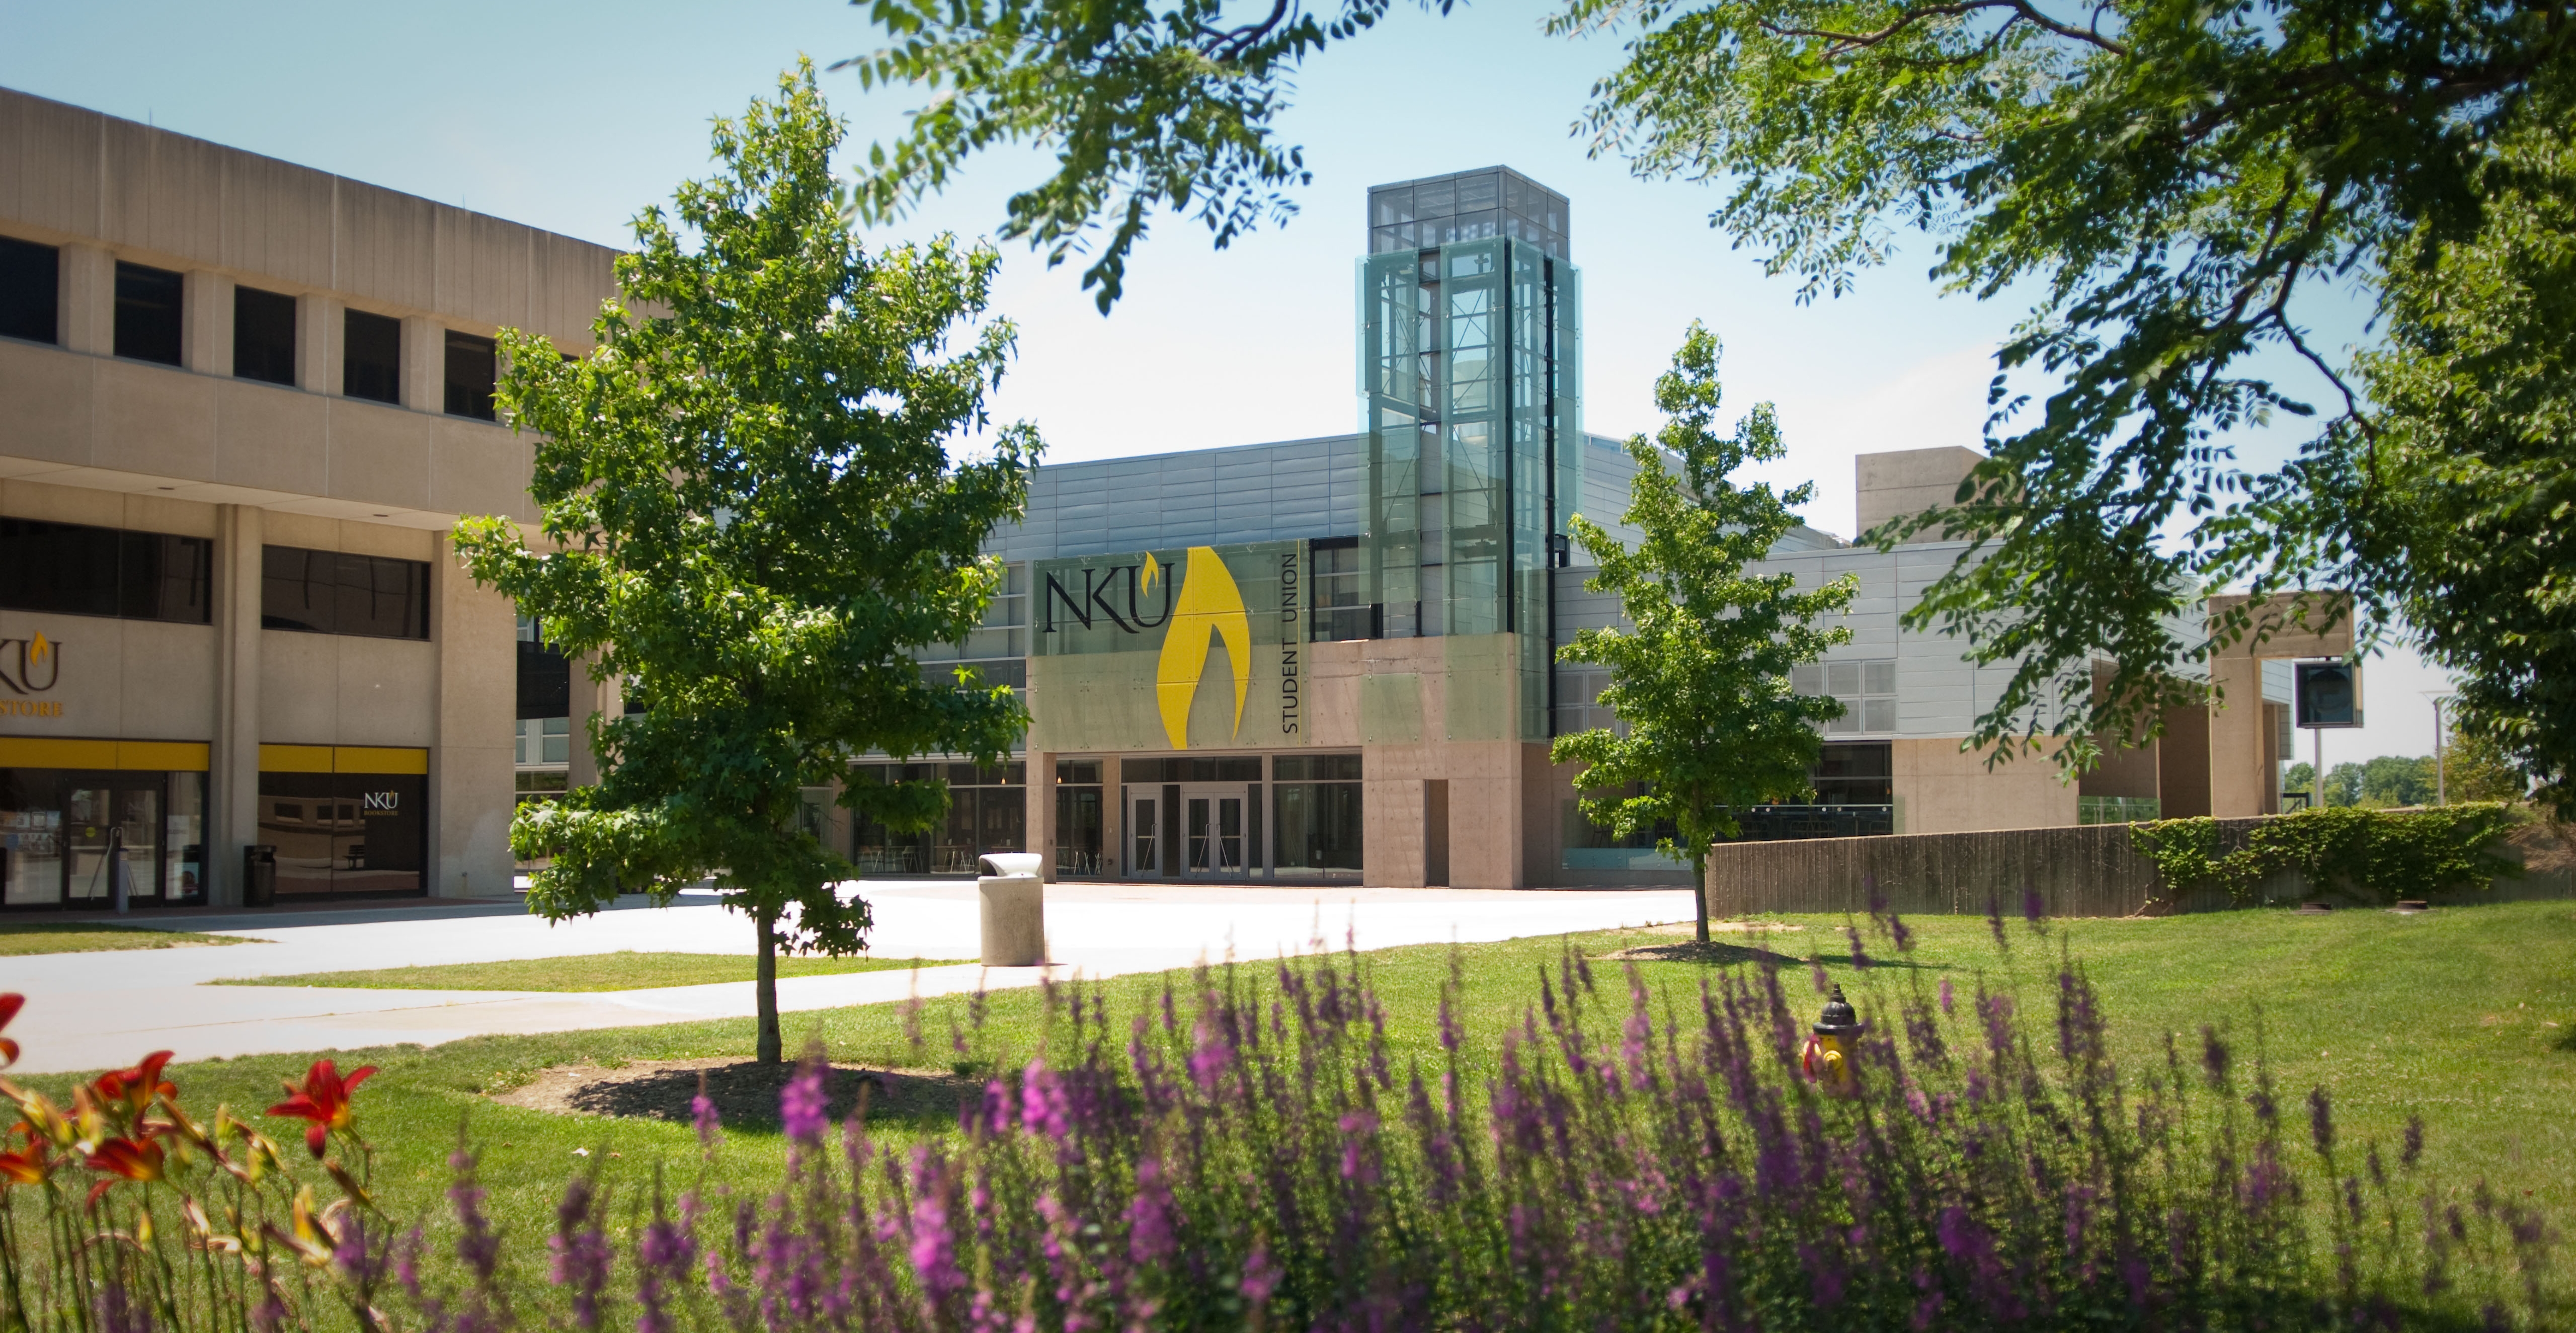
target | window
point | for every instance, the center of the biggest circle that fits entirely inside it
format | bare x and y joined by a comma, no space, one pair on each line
371,357
545,740
147,313
263,336
1855,773
84,571
472,368
333,592
545,676
987,812
1867,690
1334,564
30,290
1317,814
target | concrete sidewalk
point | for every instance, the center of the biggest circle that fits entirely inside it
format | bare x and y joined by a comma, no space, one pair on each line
94,1010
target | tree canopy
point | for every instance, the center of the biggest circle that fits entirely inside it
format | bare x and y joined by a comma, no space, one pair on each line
2165,180
1708,723
750,516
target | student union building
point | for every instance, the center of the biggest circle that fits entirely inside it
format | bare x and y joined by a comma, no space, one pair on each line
243,404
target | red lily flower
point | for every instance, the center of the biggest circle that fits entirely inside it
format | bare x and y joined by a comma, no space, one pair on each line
27,1166
136,1087
324,1100
9,1005
124,1159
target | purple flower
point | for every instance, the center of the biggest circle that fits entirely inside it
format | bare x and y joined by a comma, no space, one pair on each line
1044,1109
934,1246
2321,1120
581,1254
800,1103
1149,1216
2214,1058
1261,1274
1859,958
1356,1127
1945,997
2413,1150
2034,909
1213,1054
1995,923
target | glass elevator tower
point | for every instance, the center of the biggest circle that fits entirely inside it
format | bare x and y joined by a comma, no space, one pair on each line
1468,346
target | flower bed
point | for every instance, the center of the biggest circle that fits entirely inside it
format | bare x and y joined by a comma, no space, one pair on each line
1246,1153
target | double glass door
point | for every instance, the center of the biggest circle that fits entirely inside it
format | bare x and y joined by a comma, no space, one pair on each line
1193,830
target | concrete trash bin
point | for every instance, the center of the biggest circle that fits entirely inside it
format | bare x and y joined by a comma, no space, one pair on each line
1013,910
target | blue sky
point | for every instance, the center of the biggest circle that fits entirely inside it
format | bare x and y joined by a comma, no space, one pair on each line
572,116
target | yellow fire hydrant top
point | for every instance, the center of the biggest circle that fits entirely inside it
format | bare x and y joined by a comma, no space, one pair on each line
1831,1050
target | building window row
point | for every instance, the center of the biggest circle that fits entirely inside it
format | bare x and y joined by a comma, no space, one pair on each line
150,315
1866,689
77,570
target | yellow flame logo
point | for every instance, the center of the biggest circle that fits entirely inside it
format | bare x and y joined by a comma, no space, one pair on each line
37,648
1209,603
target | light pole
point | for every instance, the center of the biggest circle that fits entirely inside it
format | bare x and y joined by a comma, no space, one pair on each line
2441,740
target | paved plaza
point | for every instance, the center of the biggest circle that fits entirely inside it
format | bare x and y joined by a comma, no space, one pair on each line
91,1010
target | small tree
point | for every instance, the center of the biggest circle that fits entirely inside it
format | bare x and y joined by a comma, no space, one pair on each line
754,517
1702,682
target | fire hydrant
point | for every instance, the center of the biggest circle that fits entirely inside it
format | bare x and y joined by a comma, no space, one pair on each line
1833,1048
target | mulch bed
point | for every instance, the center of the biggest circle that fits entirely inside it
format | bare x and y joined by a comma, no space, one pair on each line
745,1092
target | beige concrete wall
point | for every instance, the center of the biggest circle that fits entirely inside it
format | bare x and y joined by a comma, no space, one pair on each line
165,199
99,423
1908,481
474,696
1942,789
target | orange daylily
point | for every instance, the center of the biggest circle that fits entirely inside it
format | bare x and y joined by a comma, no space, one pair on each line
10,1004
28,1165
324,1100
124,1159
135,1088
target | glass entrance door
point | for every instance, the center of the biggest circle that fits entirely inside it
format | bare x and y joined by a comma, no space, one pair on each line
111,826
1149,837
1213,828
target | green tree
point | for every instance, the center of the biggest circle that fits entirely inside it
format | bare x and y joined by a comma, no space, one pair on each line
2476,767
1708,723
751,515
2396,779
2343,785
2168,180
2301,776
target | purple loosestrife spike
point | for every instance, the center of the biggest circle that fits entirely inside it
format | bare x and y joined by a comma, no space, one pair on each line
1859,957
934,1246
1946,998
800,1104
1823,982
2214,1058
2413,1149
2034,909
2321,1121
1995,923
1261,1274
1149,1216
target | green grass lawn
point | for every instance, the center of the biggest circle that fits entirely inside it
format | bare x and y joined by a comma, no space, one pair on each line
585,972
2448,1015
19,940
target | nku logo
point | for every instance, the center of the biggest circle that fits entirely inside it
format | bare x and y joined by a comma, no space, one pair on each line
1207,602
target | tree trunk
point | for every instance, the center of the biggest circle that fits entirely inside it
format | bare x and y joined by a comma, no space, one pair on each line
771,1051
1699,890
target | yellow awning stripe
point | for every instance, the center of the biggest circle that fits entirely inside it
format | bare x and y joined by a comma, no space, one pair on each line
55,752
379,759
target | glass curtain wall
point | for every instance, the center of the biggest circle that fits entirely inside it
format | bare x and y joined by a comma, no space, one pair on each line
1467,368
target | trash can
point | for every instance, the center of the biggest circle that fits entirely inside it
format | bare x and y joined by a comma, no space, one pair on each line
259,875
1014,910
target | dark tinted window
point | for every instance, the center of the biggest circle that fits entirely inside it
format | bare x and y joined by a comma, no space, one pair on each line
471,369
84,571
371,357
263,335
147,313
332,592
29,289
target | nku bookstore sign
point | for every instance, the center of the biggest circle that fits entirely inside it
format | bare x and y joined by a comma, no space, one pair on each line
32,665
1168,649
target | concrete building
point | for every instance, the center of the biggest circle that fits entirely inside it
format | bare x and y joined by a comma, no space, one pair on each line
246,402
249,401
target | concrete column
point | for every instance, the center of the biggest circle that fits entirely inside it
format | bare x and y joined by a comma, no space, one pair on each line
2237,776
603,699
1390,828
206,327
233,777
318,332
1041,819
472,793
88,318
424,365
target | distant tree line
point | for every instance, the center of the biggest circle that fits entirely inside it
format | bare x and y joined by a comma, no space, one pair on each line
2473,769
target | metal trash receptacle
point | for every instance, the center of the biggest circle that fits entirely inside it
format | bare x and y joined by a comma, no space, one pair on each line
259,875
1013,910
